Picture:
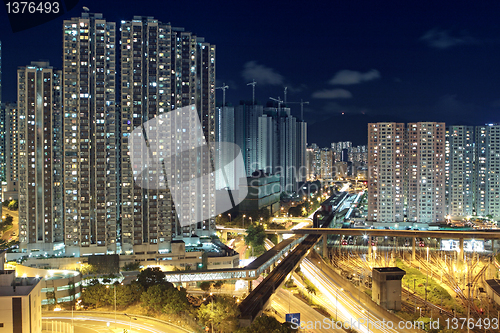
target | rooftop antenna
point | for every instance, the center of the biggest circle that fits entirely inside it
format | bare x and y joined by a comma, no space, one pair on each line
285,95
223,88
253,83
86,9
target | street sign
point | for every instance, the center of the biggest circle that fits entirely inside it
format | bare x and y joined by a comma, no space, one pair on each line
293,318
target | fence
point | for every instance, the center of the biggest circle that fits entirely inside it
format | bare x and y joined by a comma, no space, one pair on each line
53,326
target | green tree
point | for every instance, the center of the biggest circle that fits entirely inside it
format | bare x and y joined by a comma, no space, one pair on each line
218,285
175,300
266,324
8,220
222,312
152,276
128,294
311,291
205,286
95,295
152,299
256,235
132,266
6,203
13,205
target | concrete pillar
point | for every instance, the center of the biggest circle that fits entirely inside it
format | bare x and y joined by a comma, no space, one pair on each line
413,241
325,245
369,250
280,238
461,247
493,246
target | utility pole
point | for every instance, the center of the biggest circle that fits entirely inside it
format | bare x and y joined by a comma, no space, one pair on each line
223,88
253,83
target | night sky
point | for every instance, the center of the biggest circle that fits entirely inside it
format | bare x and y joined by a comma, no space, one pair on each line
354,61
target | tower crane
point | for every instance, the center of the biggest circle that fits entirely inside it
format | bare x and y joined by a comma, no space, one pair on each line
223,88
301,108
280,102
253,83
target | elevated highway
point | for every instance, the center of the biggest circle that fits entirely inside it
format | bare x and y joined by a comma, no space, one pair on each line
251,307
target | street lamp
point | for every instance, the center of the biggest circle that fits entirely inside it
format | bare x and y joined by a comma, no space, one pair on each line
229,217
250,219
114,290
130,326
244,221
420,311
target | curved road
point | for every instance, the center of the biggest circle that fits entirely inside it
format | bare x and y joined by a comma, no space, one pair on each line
105,323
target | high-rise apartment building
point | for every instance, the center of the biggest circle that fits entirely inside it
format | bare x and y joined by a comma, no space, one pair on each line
487,179
246,134
10,144
426,172
459,168
90,135
40,170
224,132
386,172
326,163
272,140
164,69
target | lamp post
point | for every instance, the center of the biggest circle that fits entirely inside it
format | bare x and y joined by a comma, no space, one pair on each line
250,220
114,291
130,317
229,217
244,221
212,321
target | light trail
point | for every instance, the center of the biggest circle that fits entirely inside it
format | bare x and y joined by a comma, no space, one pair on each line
353,311
111,321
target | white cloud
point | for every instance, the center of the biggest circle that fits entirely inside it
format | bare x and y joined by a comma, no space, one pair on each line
332,93
262,74
442,39
352,77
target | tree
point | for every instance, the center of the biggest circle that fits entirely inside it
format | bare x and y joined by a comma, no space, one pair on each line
128,294
94,295
6,203
13,205
205,286
8,220
222,312
152,299
152,276
132,266
256,235
218,285
175,301
266,324
310,290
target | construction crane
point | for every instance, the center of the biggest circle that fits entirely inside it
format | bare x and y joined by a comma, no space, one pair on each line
253,83
279,103
301,108
223,88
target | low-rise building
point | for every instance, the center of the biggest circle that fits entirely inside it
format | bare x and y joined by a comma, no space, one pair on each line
263,192
20,302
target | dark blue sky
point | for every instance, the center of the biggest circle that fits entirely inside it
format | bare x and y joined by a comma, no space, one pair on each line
371,60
